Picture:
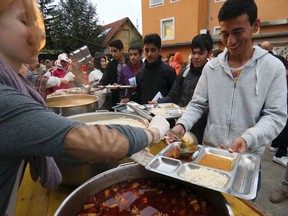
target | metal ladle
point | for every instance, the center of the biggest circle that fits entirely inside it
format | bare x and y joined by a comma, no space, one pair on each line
188,146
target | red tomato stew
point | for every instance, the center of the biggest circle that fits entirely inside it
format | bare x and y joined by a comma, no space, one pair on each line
147,197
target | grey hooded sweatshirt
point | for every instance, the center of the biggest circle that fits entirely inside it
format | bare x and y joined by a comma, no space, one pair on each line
253,107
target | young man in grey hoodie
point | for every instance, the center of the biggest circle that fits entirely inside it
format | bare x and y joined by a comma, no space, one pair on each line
244,89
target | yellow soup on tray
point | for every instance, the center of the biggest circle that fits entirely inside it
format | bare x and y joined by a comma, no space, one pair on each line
216,162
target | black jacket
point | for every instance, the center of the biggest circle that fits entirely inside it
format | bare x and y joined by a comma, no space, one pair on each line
110,76
182,92
151,79
184,86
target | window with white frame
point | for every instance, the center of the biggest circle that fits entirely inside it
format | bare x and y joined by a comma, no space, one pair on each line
154,3
217,30
172,1
216,1
167,28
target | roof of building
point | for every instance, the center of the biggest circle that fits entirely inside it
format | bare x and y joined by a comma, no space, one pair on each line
112,28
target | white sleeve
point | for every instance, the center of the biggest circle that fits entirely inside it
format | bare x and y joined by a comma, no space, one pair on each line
53,81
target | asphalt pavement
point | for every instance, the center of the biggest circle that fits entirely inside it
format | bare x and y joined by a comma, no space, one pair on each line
272,176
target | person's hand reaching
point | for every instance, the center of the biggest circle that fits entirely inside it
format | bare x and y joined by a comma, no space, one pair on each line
142,157
69,77
179,129
161,124
53,81
239,145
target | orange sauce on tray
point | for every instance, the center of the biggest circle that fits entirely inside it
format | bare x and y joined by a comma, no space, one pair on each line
216,162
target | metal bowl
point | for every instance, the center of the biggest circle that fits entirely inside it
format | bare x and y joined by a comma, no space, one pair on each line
99,116
123,173
67,105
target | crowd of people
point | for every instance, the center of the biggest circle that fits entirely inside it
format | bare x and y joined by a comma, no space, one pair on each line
234,99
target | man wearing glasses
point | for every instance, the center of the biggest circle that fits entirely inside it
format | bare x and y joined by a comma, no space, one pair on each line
155,78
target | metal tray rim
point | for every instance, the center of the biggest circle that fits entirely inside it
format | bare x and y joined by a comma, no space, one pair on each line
228,188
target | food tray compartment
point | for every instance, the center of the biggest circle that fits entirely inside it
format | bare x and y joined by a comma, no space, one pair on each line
165,165
168,105
173,148
168,148
217,154
246,175
170,110
204,179
242,178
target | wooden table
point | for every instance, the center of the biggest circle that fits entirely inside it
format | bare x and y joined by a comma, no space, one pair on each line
32,199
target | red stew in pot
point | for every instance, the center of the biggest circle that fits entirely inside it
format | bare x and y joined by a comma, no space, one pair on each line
147,197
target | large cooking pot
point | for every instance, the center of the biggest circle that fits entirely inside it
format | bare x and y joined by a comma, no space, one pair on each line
99,116
77,175
126,172
67,105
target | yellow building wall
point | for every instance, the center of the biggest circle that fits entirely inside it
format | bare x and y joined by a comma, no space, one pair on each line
189,16
268,10
193,15
185,20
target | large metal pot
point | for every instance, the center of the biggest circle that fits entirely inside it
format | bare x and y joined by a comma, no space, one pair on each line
67,105
123,173
99,116
76,175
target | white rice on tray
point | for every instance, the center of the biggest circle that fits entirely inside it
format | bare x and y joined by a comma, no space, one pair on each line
205,177
120,121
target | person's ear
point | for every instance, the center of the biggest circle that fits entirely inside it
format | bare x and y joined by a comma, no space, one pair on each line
256,25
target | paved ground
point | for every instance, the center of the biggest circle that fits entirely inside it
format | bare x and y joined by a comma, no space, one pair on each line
272,175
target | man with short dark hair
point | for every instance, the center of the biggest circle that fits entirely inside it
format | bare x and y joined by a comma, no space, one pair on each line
127,74
112,72
185,83
243,88
155,77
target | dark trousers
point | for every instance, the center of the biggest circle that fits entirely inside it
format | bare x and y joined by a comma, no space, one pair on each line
281,142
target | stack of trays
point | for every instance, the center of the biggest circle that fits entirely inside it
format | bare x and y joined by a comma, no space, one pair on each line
167,110
239,172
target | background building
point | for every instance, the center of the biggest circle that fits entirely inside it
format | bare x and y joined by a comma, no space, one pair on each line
178,21
121,29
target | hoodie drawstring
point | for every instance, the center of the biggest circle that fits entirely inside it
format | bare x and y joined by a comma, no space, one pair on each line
257,75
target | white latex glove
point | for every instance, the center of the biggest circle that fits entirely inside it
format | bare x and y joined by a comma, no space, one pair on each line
47,74
52,82
142,157
160,123
69,76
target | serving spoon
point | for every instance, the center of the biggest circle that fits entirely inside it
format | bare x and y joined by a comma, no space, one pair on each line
188,146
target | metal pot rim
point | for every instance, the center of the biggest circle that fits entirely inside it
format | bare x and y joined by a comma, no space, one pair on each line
141,119
137,172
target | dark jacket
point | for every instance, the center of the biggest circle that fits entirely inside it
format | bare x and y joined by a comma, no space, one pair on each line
110,76
151,79
184,86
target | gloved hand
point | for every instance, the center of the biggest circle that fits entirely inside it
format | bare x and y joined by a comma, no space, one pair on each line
142,157
53,81
69,76
160,123
47,74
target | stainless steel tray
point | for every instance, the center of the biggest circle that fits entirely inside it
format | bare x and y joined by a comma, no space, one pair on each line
173,111
242,176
